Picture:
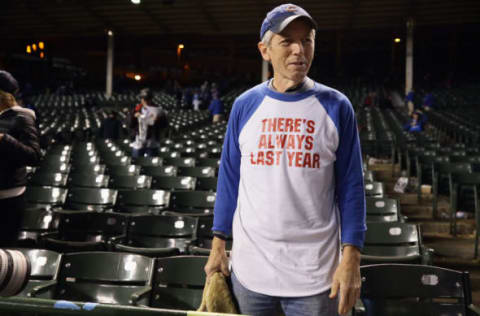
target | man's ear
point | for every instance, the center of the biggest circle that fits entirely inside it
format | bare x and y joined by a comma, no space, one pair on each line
263,51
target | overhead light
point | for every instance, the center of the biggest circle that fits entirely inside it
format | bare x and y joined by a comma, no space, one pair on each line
42,55
397,40
110,33
181,46
41,45
138,77
34,47
136,1
29,49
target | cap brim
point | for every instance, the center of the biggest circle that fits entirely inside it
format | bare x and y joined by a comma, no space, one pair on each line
281,26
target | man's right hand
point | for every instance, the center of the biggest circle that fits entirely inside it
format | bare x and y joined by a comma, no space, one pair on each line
218,260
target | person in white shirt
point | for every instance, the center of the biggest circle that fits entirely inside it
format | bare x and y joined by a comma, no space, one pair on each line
290,185
149,117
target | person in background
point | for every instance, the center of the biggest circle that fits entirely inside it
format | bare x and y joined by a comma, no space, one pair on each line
196,101
428,102
152,122
290,185
409,100
216,109
19,148
415,124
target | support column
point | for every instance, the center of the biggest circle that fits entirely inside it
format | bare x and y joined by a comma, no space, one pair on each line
264,70
109,86
409,57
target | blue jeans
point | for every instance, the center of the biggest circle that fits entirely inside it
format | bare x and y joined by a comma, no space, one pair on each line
256,304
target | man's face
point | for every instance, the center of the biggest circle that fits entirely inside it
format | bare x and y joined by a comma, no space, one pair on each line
291,51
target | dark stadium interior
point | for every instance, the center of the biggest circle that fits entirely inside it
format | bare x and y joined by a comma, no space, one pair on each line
90,192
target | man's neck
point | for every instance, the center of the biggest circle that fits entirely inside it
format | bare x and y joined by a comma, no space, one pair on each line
285,85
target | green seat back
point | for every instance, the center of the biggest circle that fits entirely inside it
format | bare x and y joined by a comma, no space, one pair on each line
85,231
408,289
88,180
127,170
90,199
45,196
44,267
180,161
382,210
374,189
130,182
174,183
163,171
160,231
147,197
179,281
392,242
198,172
48,179
200,201
149,161
207,184
103,277
208,162
88,169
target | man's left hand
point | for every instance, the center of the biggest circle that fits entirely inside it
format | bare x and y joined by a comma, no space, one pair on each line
347,280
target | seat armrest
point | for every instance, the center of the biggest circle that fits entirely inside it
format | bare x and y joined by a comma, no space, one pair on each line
139,294
41,288
474,309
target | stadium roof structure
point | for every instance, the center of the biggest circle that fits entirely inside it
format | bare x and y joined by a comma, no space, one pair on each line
66,18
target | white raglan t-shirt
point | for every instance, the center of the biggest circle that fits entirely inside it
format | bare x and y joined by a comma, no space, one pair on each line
290,181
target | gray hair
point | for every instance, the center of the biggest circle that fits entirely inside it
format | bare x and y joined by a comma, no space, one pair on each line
267,37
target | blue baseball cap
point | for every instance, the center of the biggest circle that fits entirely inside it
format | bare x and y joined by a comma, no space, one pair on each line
7,82
277,19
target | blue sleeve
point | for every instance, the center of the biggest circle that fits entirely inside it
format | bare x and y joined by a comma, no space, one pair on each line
349,186
228,176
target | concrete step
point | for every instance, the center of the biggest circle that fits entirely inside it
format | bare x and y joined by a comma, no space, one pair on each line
424,210
441,228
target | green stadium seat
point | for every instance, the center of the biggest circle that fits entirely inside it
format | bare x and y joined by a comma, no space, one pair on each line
34,224
84,231
192,203
48,179
409,289
157,235
394,243
130,182
125,170
44,267
179,281
207,184
197,172
101,277
458,197
45,197
90,199
142,201
174,183
88,180
383,210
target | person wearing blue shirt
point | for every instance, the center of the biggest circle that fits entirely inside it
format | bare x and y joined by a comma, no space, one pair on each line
428,101
409,99
290,185
216,109
415,124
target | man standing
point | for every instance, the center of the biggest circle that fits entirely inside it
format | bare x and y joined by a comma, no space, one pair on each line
152,122
290,185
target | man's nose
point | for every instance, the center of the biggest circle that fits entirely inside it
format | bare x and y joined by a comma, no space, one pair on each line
297,48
